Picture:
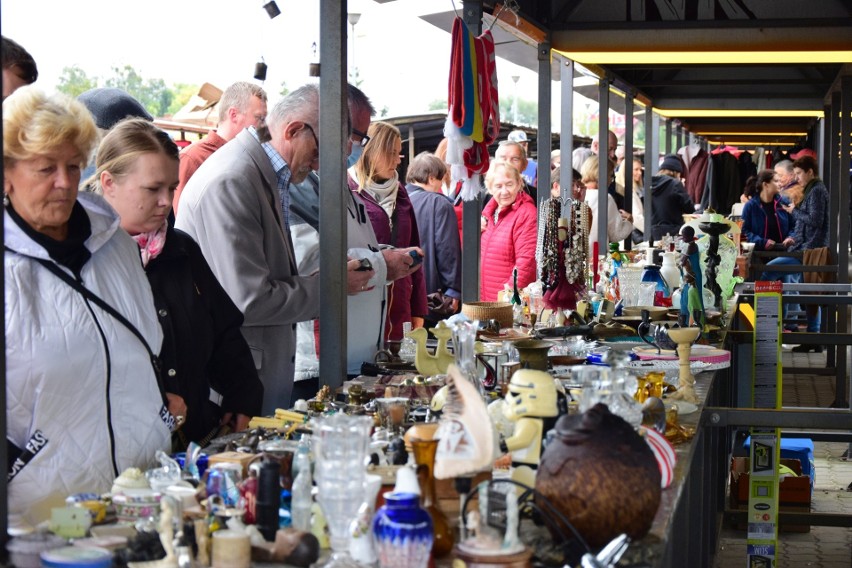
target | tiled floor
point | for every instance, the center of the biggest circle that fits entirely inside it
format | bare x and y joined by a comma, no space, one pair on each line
822,547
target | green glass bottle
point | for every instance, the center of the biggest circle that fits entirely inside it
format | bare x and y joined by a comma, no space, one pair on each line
517,304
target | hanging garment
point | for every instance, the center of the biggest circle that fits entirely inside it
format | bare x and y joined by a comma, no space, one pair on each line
473,121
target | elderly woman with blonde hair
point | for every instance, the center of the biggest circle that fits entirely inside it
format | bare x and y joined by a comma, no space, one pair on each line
84,399
509,232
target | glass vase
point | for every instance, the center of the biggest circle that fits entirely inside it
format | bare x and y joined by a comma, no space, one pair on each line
402,532
424,457
464,338
341,444
662,291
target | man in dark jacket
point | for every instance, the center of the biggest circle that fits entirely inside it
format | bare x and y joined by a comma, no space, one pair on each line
671,201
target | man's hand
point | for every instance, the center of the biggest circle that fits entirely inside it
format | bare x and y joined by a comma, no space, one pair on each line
769,244
400,263
357,280
417,322
625,215
788,242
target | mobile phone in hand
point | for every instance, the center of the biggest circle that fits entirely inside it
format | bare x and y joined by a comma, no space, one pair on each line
364,265
416,256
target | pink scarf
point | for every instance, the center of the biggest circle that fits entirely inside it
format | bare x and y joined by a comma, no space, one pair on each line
151,244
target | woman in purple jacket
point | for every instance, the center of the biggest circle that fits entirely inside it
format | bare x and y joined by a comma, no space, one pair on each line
375,180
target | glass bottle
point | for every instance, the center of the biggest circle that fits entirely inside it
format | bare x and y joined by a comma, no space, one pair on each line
464,340
301,501
408,347
517,303
424,457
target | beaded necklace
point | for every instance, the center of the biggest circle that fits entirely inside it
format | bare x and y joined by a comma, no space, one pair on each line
577,241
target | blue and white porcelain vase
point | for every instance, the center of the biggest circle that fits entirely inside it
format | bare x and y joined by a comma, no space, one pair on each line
402,532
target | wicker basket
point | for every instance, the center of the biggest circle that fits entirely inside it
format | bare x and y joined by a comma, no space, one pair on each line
484,311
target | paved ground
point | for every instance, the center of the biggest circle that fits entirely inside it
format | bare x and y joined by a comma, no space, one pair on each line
822,547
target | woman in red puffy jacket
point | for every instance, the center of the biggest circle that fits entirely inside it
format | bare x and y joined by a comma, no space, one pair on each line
508,232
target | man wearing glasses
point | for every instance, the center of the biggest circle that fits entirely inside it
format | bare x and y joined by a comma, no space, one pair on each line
366,306
237,209
241,105
514,153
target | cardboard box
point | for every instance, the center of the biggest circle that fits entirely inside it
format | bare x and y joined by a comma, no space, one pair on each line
240,458
794,495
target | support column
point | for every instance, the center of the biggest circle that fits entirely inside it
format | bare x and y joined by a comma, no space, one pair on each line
333,126
833,169
543,139
843,185
678,137
668,144
603,178
472,209
652,160
844,218
566,137
628,159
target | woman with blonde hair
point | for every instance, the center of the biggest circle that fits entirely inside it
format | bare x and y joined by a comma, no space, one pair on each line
84,399
638,199
619,223
203,348
509,232
375,181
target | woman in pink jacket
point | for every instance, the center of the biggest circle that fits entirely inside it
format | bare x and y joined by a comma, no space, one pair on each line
508,232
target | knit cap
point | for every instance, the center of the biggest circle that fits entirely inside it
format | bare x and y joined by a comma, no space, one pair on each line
672,162
109,105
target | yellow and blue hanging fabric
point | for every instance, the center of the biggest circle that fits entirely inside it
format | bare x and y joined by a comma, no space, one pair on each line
473,120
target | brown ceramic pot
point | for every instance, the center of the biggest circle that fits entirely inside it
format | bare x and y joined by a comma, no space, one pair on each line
601,475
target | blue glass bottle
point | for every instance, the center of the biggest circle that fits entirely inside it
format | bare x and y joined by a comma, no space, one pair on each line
662,293
402,532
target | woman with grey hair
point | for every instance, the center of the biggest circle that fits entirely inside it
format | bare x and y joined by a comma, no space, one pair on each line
439,239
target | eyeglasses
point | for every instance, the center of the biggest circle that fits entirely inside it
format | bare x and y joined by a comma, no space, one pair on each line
363,135
311,130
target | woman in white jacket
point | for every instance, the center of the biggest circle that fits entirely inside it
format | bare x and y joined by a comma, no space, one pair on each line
83,399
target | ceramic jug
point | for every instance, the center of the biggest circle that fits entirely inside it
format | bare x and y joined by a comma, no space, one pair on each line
670,271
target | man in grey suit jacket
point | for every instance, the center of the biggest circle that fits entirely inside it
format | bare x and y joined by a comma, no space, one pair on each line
236,207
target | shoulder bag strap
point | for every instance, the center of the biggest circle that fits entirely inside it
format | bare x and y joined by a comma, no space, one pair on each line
101,303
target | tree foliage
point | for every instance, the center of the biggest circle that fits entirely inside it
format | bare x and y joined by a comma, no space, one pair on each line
74,81
438,104
527,111
154,95
182,93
